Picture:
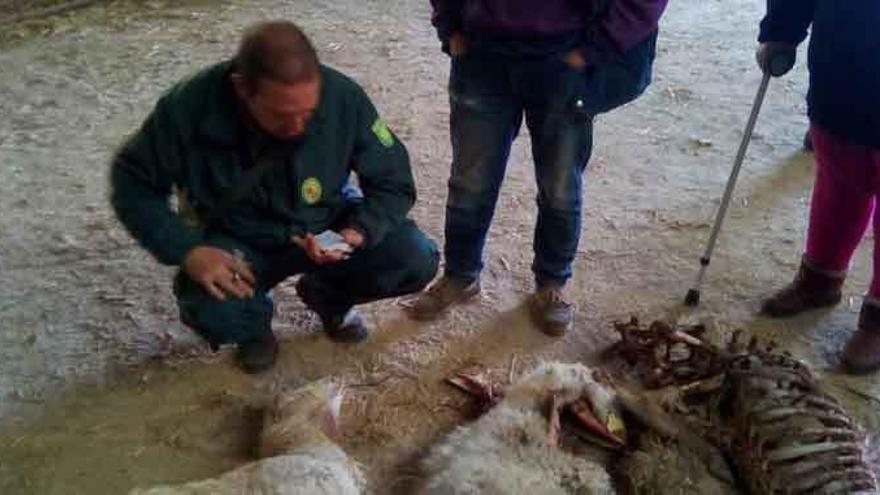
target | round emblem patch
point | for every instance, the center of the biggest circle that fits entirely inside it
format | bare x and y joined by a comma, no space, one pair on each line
311,190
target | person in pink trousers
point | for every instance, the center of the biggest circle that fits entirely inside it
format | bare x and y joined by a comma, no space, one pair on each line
844,110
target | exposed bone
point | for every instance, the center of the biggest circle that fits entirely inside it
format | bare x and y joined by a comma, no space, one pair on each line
477,383
789,453
817,463
782,413
658,346
845,486
793,377
679,336
777,433
796,398
808,484
784,433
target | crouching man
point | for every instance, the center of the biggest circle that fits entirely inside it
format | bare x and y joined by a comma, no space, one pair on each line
261,149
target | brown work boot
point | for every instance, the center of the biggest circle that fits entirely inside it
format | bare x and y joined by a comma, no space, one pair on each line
808,142
811,289
440,296
861,354
551,311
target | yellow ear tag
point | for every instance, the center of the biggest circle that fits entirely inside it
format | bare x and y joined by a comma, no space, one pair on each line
615,425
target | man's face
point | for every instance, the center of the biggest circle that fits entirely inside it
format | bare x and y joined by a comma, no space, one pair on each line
281,110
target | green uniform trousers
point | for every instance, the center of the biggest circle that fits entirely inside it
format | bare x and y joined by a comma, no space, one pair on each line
404,262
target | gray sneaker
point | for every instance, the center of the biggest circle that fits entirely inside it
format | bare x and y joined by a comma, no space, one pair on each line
551,311
440,296
341,324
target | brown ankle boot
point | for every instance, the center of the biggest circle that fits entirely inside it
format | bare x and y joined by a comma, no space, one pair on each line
440,296
811,289
861,354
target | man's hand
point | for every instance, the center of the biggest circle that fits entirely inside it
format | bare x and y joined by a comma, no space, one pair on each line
575,59
776,58
457,45
316,253
352,237
219,273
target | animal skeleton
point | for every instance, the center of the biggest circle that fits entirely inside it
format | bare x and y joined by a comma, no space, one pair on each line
784,434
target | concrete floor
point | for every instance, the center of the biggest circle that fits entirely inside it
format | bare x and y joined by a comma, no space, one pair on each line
101,389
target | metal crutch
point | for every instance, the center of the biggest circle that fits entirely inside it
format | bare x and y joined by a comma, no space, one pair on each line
779,65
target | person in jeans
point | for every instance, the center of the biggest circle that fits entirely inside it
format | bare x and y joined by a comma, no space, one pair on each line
844,111
556,64
261,148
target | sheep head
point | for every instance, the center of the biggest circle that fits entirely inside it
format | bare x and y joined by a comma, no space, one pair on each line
583,396
300,418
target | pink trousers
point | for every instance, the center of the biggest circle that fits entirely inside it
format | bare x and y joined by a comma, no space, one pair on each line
847,184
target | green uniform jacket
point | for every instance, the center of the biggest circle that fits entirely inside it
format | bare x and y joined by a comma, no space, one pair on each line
197,141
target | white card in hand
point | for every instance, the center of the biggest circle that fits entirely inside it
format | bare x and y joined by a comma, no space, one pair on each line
332,241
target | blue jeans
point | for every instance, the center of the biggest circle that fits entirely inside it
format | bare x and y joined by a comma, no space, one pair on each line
489,96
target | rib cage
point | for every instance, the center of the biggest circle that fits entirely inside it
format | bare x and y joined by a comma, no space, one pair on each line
784,434
788,437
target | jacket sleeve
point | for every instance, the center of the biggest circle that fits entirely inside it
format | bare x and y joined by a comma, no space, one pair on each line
446,17
786,21
384,175
618,26
142,175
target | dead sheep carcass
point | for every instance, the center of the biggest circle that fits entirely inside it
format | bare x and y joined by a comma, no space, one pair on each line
297,450
514,449
765,409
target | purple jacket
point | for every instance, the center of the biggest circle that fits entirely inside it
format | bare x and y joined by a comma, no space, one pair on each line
604,28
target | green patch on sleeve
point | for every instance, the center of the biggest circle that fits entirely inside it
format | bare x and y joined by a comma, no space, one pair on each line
383,134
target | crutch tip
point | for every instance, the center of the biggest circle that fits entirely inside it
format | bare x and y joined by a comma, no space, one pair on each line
692,298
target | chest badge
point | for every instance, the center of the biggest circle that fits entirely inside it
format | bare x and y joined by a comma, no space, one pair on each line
311,190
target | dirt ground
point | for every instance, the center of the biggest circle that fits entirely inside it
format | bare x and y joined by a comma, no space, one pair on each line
102,389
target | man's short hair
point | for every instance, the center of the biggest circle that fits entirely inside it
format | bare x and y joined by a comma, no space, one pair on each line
276,50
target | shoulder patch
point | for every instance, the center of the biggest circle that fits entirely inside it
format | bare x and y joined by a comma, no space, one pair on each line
383,134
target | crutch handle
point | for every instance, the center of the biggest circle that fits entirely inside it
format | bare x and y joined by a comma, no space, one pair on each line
781,61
